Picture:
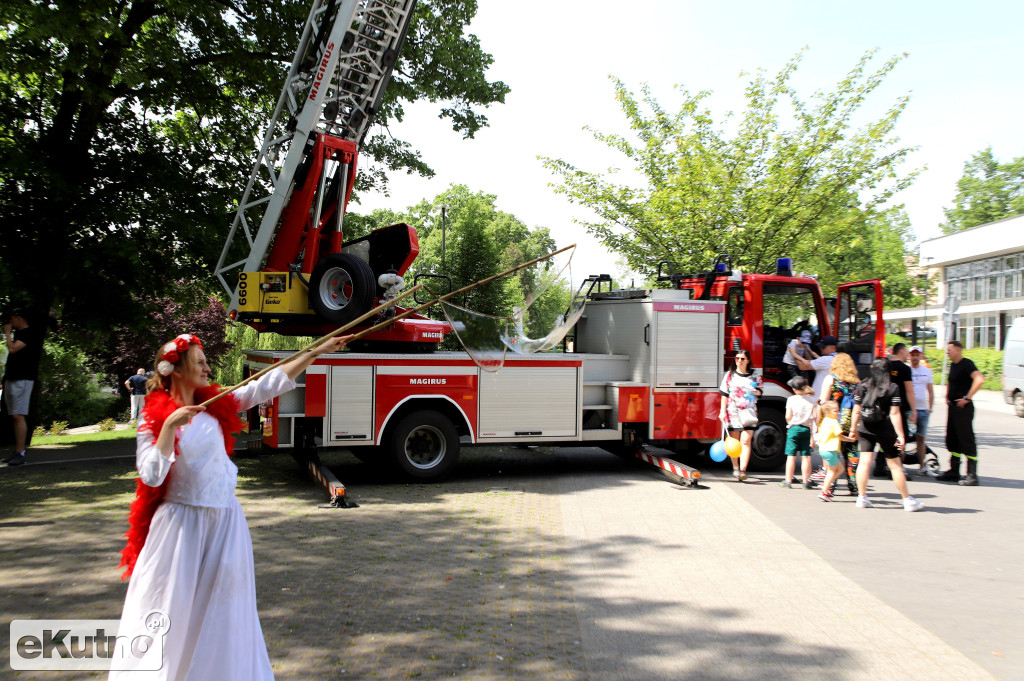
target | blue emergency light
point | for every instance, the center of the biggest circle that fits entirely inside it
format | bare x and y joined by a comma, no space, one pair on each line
784,267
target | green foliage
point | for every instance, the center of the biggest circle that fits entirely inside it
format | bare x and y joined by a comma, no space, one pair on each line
107,424
811,191
58,428
988,191
866,246
127,131
988,360
230,368
480,241
70,392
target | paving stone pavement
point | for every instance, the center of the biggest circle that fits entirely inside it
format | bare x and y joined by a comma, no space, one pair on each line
528,564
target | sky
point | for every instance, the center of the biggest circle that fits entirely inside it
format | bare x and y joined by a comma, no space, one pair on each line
962,74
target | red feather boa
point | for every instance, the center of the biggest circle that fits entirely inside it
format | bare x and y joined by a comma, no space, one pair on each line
158,407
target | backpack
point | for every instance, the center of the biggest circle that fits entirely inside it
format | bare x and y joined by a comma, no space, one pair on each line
845,402
870,412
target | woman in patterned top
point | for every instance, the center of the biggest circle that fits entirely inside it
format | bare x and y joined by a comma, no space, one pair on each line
740,389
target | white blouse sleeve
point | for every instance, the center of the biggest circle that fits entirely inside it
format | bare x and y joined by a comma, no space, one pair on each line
149,460
270,385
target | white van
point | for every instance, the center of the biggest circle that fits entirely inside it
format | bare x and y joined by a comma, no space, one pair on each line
1013,367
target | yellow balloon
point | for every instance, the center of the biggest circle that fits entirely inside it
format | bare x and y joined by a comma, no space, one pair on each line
733,447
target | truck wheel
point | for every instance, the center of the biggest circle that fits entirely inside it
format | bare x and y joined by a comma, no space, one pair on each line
768,452
1018,404
341,287
424,445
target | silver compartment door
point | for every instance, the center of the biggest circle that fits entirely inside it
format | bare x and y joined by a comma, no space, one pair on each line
688,350
529,403
350,405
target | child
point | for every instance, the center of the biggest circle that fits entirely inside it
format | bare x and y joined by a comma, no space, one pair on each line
801,409
829,436
798,347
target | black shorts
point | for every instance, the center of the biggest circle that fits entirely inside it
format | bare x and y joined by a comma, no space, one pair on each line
885,439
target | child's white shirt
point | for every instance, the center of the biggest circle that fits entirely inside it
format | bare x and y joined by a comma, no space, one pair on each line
801,408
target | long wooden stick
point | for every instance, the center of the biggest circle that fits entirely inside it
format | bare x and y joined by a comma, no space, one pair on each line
340,330
390,321
446,296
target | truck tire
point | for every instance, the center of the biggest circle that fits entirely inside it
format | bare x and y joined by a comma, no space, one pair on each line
341,287
424,445
1018,404
768,452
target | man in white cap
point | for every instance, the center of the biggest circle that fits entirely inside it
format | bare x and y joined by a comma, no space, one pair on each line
924,398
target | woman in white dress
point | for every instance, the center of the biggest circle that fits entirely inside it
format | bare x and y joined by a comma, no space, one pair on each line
190,611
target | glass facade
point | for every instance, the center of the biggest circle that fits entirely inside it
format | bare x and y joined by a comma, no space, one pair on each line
986,280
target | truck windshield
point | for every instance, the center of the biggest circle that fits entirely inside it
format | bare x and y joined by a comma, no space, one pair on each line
788,310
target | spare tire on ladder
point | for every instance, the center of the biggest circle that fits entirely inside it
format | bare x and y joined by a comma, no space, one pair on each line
341,287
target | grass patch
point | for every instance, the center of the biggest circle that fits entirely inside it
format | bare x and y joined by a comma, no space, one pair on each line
40,440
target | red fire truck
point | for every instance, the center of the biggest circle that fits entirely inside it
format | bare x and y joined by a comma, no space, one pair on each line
644,366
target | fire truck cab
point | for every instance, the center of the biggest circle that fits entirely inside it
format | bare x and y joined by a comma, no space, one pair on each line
764,312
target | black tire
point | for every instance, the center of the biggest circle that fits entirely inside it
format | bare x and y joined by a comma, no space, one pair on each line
424,445
1018,404
768,451
341,287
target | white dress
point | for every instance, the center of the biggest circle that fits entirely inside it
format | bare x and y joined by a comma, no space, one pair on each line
196,566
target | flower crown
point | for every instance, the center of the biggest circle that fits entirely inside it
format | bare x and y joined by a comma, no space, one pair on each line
172,352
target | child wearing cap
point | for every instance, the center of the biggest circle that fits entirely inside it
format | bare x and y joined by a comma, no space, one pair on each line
798,347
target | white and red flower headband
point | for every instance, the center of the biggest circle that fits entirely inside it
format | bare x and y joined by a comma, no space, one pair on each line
173,351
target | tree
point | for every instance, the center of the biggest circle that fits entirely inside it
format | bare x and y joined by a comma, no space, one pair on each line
479,241
988,191
128,349
868,246
127,130
761,192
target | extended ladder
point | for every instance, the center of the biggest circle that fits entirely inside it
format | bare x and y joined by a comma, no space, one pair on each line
333,87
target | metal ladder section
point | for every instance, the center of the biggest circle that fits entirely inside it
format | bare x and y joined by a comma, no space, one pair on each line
334,85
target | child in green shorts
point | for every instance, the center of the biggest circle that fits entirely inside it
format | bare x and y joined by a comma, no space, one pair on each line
801,409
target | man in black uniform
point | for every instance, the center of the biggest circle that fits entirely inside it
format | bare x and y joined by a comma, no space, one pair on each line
964,380
25,348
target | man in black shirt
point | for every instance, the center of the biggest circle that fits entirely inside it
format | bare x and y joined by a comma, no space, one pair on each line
964,380
25,348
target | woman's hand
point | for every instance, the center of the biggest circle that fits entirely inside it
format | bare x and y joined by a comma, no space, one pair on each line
182,416
721,416
332,345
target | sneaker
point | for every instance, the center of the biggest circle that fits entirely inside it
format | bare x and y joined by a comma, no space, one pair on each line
742,476
910,504
11,458
970,480
735,472
948,476
787,485
825,496
808,485
16,460
851,487
819,474
864,502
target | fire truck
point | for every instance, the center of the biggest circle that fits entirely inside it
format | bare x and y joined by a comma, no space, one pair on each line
642,366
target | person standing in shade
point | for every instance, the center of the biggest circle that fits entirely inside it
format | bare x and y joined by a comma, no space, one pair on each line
963,381
136,386
924,398
25,348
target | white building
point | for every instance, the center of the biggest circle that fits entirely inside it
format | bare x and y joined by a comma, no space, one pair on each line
982,268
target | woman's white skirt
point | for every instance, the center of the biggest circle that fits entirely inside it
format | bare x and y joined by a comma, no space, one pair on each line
191,603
